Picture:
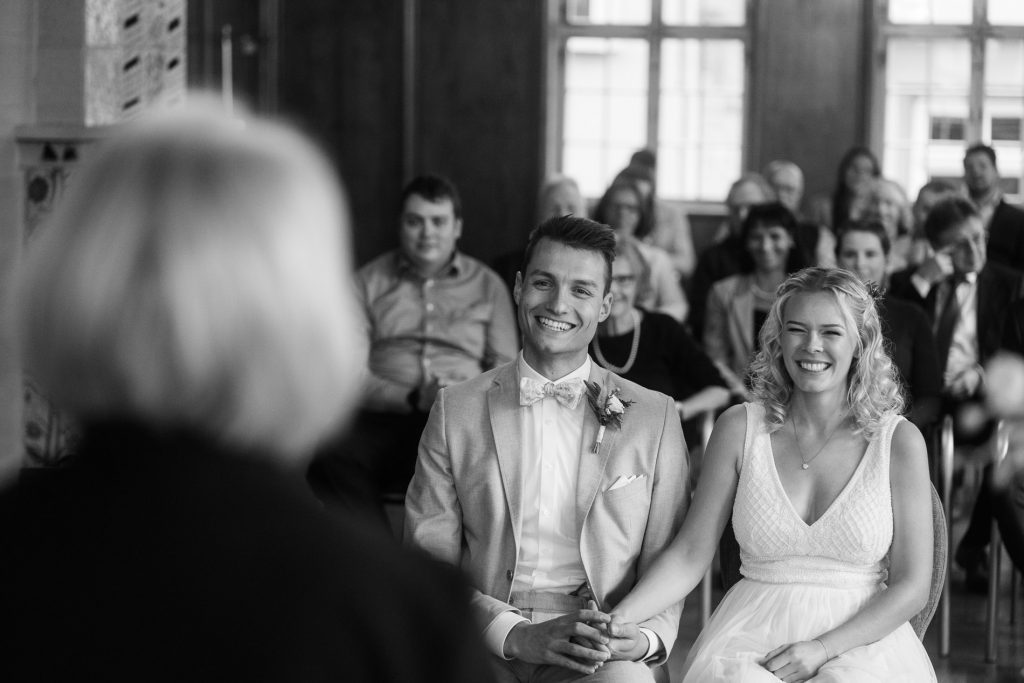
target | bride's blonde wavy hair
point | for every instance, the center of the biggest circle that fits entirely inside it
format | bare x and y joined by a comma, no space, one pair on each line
873,391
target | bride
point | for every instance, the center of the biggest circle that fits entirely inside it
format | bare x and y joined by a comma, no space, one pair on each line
829,492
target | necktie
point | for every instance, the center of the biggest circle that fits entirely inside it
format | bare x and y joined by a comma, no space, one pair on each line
946,323
567,393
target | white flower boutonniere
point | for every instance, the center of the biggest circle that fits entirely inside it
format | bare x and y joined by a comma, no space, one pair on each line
609,410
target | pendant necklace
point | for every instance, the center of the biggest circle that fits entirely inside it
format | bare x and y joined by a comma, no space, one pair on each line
806,462
632,351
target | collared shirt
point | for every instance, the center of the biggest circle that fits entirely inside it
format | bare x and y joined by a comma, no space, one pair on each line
452,326
963,348
549,553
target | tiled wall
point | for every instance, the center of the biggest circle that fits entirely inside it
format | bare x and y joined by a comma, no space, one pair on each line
67,69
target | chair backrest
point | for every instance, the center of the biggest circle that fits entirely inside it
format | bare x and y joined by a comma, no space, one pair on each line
729,556
940,556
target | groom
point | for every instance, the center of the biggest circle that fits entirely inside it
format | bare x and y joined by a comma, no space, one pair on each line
553,517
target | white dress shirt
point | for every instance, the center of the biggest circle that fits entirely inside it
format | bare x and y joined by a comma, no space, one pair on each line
963,348
549,553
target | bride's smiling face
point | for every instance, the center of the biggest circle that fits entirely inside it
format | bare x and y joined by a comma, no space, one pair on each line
818,344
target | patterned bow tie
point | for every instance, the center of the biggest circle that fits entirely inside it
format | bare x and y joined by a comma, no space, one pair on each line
567,393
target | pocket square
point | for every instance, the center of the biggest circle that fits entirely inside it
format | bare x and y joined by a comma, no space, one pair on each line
625,479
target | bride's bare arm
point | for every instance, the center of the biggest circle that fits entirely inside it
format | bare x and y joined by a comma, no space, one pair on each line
910,560
682,564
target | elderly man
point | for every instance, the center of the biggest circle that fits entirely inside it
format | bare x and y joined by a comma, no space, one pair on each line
553,483
434,317
1004,223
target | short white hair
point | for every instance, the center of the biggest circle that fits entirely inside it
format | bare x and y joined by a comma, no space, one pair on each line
197,274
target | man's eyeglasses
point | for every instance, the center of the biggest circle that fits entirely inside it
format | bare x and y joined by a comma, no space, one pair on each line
624,280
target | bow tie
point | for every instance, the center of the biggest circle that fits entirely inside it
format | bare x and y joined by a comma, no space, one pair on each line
567,393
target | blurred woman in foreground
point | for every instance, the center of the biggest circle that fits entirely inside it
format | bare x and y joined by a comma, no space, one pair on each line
190,304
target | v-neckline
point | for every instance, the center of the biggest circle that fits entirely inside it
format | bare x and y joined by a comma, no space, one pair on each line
839,496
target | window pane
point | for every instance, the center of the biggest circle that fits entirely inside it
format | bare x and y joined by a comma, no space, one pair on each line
1006,12
1003,107
627,12
605,116
926,104
700,141
931,11
704,12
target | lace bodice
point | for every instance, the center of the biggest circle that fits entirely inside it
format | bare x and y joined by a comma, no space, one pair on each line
847,546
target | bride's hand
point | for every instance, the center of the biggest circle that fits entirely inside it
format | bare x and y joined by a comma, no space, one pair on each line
796,661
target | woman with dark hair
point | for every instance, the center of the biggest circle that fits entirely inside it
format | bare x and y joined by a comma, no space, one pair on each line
669,227
652,349
863,248
738,305
858,167
626,209
829,493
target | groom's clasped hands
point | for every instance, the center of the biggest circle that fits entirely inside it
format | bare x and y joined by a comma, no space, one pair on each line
581,641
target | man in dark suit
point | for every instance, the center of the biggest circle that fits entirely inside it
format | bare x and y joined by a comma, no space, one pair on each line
966,297
964,294
1003,222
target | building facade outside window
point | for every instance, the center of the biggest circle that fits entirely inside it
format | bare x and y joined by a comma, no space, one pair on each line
948,73
670,75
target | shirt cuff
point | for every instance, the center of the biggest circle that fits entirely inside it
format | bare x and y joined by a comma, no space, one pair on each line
920,284
497,631
654,644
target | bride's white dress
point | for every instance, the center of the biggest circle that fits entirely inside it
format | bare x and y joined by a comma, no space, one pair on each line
802,580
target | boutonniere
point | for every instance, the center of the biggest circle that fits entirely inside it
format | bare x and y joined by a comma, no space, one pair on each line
608,411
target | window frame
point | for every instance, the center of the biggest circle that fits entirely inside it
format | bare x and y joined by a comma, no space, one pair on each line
976,34
557,31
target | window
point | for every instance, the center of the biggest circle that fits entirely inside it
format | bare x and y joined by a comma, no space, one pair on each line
665,74
949,73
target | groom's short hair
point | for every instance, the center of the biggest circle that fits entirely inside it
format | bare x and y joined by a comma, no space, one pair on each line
578,233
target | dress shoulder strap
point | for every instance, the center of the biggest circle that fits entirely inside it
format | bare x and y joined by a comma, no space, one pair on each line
755,424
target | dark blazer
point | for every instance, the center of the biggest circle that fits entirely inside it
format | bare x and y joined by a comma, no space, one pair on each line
162,557
998,288
1006,236
1013,333
911,346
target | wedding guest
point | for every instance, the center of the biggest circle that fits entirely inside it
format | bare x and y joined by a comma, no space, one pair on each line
653,349
815,241
930,194
858,167
191,303
551,506
728,255
1003,222
863,249
434,316
887,203
625,209
966,298
830,501
670,228
560,196
738,305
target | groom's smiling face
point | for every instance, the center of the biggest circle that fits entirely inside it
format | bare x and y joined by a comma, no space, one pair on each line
561,298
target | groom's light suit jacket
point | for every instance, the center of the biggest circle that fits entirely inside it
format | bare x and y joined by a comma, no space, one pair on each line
464,501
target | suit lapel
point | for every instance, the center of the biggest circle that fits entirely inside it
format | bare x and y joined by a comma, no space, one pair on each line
591,467
503,404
